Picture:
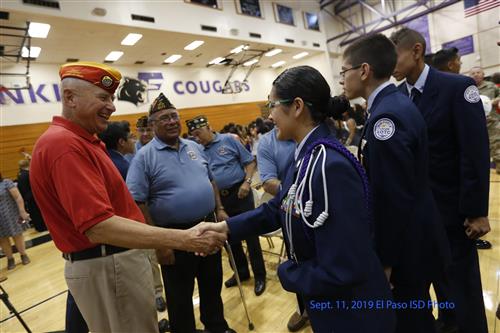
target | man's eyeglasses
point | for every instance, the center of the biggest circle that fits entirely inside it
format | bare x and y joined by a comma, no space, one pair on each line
168,117
342,74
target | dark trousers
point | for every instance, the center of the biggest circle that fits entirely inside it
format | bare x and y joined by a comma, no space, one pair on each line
413,320
74,319
234,206
463,286
179,285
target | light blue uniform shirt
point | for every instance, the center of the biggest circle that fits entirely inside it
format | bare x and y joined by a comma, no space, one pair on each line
174,183
227,159
274,156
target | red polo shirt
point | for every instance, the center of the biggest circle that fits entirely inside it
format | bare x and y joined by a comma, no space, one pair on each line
76,185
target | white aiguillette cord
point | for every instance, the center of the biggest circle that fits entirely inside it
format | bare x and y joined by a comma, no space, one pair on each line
296,193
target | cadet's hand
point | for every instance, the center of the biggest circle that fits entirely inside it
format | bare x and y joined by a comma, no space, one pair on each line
244,190
203,242
165,256
221,215
388,273
477,227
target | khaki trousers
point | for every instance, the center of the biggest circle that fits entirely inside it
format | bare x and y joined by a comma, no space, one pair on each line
158,285
114,293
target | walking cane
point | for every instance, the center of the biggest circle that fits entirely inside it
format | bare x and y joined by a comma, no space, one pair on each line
233,263
238,281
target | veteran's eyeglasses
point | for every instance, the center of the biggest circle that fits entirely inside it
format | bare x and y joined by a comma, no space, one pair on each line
167,117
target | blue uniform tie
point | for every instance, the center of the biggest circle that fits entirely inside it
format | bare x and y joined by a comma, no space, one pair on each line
415,95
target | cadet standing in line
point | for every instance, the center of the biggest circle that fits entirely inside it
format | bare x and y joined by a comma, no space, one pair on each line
458,167
394,152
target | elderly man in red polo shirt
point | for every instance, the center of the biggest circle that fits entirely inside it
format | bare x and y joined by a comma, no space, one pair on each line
90,213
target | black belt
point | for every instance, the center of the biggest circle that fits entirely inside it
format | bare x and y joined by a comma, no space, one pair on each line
231,190
102,250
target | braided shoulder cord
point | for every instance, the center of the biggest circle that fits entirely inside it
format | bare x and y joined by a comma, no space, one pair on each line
337,146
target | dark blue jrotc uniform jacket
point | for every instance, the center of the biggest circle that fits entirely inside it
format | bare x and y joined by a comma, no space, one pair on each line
458,146
459,175
336,265
409,235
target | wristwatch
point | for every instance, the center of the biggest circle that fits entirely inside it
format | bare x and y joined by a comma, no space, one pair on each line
249,180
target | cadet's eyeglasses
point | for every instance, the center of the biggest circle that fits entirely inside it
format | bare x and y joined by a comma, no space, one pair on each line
271,104
342,74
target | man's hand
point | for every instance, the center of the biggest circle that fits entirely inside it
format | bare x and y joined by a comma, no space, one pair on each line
477,227
221,215
244,190
165,256
208,242
204,228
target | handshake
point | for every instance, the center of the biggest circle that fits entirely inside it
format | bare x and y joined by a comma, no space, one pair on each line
206,237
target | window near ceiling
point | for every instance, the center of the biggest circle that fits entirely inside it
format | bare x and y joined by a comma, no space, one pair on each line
215,4
283,14
311,21
249,7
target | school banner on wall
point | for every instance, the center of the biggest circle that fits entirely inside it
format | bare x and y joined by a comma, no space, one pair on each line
138,88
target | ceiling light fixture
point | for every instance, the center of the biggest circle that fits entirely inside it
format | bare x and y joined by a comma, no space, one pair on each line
238,49
131,39
194,45
113,56
217,61
278,64
38,30
173,58
35,52
300,55
273,52
250,62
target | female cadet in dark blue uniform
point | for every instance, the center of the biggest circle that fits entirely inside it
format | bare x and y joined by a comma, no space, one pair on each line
323,210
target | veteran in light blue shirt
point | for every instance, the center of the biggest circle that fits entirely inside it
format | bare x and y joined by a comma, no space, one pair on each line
170,180
273,158
174,182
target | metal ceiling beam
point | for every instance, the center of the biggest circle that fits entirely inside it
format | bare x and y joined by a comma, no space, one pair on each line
431,9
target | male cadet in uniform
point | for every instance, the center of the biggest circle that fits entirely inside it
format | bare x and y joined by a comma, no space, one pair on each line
91,215
171,181
273,158
119,142
448,60
233,167
394,154
458,166
490,90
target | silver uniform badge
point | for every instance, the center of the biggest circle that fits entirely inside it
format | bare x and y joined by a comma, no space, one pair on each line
384,129
192,155
471,94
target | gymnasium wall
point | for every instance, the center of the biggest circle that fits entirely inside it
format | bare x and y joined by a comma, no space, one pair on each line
444,25
17,137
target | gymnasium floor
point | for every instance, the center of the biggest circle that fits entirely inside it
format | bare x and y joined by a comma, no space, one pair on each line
38,290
